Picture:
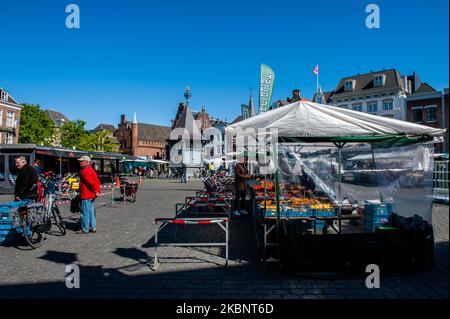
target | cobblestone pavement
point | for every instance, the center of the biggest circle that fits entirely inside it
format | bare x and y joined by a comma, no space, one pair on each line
117,261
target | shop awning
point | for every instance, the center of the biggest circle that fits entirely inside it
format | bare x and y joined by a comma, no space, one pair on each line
313,122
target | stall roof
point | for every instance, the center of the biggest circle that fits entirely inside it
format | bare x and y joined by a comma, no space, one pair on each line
309,121
60,151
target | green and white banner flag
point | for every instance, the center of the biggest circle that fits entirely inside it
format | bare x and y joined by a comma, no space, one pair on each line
265,88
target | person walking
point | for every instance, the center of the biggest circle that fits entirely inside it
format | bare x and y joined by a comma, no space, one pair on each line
26,181
183,172
89,191
211,168
240,184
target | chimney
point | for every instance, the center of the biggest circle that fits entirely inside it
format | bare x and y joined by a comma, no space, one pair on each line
405,84
134,135
203,109
296,94
122,118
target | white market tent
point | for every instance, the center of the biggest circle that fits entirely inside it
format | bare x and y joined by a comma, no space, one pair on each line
312,120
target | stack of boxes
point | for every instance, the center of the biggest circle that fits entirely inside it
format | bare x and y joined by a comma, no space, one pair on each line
376,215
8,233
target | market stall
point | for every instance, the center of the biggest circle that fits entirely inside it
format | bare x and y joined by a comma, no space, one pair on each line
316,196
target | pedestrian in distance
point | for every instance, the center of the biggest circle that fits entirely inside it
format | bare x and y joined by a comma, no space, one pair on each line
183,172
37,164
89,191
240,184
26,181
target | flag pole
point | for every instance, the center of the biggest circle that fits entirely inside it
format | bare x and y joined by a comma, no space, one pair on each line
317,78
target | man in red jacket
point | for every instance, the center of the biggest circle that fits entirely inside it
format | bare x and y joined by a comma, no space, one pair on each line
89,191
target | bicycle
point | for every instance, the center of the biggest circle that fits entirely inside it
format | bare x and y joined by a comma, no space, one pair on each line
128,190
34,219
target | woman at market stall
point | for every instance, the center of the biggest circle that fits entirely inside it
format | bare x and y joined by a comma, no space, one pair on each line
240,186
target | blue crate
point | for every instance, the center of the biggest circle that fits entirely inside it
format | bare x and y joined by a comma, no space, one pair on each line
324,212
320,224
376,215
15,204
5,225
378,209
294,213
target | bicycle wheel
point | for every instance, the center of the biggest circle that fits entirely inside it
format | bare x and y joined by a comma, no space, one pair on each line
58,220
133,197
33,237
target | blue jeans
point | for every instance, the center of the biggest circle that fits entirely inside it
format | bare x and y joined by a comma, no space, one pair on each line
87,215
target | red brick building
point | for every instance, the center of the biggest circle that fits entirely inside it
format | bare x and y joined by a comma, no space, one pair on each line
429,107
140,139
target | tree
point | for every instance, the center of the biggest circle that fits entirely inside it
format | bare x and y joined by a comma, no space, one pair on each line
35,126
73,133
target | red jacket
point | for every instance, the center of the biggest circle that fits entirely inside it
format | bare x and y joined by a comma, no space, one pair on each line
89,183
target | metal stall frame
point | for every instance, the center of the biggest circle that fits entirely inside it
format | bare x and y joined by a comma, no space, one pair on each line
161,222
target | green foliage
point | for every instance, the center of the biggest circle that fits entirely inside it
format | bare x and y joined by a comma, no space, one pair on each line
35,126
73,134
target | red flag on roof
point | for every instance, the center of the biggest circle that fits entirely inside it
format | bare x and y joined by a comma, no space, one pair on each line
316,70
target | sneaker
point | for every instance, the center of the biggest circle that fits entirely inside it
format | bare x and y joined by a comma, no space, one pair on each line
80,232
236,213
93,230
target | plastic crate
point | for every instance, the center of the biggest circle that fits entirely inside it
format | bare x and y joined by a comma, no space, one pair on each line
294,213
376,215
319,225
325,212
377,210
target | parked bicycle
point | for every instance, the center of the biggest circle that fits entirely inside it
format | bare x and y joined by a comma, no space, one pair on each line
35,219
128,190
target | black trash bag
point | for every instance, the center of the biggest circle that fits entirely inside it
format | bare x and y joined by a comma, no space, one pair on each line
75,204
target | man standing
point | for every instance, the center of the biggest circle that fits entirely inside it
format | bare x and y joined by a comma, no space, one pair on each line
89,190
26,181
240,184
183,172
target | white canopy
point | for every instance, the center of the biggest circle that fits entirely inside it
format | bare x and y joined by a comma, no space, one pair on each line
308,119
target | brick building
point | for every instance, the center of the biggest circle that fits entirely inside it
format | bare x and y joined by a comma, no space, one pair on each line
9,118
58,120
110,134
428,106
140,139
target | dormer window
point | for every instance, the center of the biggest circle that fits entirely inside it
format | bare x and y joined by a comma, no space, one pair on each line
349,85
379,80
4,96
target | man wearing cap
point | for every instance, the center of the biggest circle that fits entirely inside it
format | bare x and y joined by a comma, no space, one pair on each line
89,190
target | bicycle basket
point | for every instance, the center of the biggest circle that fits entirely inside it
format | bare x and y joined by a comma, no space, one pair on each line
37,215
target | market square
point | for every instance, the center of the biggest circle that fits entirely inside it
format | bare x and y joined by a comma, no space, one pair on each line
177,160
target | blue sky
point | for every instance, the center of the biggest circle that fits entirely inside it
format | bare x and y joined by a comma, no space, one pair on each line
139,55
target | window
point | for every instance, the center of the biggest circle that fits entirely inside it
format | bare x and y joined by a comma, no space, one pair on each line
388,105
431,114
348,86
9,138
357,108
417,115
10,119
1,117
372,107
378,80
319,100
4,96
